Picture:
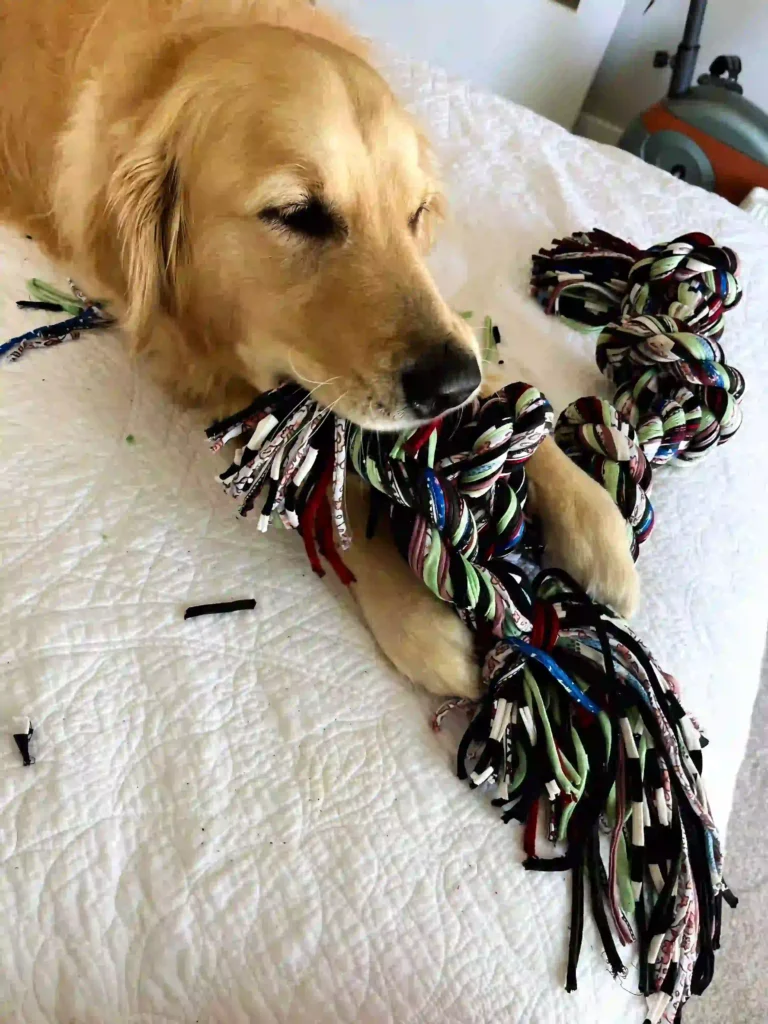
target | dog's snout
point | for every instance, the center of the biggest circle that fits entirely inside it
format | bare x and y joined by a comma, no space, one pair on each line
441,379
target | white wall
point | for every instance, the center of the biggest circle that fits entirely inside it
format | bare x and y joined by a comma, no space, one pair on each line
627,82
535,52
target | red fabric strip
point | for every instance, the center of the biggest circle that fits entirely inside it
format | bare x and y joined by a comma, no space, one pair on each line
309,517
420,438
531,825
328,548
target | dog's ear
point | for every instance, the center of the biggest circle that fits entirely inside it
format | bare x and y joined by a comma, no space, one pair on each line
146,197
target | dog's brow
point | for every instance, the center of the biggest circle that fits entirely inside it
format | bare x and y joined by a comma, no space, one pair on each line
283,188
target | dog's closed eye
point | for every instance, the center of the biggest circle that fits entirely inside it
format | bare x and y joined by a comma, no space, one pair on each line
312,219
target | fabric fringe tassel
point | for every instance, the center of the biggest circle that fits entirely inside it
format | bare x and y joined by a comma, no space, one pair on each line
86,316
296,450
581,728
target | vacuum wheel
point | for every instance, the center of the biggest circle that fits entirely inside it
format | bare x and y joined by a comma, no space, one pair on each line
672,152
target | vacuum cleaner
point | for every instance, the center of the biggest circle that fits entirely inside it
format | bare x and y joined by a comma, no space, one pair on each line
708,134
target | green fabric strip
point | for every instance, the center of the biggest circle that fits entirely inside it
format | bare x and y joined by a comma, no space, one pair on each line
41,291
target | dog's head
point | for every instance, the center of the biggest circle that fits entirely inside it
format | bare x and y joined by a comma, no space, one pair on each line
274,200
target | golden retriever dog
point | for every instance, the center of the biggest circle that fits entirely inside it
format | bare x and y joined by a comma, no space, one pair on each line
245,188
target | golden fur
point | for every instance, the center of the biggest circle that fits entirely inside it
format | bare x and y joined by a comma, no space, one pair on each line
165,149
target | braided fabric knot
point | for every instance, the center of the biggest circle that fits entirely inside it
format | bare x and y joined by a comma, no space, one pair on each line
593,279
605,445
690,278
659,316
459,501
674,386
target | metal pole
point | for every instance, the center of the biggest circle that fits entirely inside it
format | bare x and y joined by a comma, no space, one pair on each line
688,50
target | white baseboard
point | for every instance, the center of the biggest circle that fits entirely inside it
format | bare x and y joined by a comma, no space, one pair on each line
590,126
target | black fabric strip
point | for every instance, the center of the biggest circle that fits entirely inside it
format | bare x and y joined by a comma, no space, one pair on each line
674,708
671,979
259,403
704,967
517,590
663,912
459,577
577,925
598,904
376,503
529,792
730,899
491,757
634,780
644,981
636,862
718,921
48,307
22,742
652,770
322,442
269,504
568,582
221,608
653,843
290,497
569,862
479,727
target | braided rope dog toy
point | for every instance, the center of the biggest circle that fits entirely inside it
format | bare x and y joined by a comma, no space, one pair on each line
580,732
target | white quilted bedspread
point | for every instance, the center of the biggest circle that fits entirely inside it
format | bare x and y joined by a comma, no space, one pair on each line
247,818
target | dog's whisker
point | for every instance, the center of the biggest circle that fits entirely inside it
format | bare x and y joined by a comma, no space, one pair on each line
291,411
309,395
308,380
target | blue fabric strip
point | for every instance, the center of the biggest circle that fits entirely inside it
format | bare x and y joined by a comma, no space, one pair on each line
556,672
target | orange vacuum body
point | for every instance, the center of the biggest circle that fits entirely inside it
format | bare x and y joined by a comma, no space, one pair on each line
673,135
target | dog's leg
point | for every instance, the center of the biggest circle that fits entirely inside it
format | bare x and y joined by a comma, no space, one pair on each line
422,636
584,532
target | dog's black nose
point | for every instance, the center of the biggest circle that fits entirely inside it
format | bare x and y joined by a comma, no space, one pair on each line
440,380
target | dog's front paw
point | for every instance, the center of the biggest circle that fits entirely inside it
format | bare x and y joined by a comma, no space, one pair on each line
585,534
422,636
436,649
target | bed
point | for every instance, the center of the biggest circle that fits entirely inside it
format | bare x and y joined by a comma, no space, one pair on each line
248,818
